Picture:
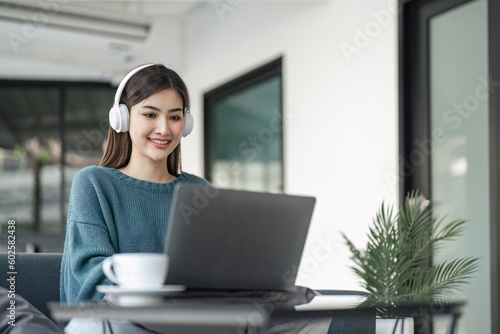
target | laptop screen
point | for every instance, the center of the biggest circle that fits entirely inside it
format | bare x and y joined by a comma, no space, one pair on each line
236,240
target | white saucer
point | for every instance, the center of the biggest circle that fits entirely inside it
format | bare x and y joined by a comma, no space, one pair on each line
115,289
134,297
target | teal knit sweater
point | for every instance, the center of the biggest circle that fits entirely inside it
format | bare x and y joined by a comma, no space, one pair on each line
110,212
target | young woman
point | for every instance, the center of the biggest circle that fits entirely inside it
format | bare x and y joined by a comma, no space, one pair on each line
123,205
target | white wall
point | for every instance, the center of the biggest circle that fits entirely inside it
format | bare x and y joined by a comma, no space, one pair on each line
340,113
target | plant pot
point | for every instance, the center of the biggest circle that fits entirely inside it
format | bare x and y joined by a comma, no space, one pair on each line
386,326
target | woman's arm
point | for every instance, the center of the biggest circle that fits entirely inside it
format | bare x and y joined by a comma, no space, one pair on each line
85,249
90,238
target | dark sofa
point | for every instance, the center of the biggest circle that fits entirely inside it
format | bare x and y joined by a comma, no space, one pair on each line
37,277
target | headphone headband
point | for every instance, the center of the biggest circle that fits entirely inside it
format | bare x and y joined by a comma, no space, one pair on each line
121,86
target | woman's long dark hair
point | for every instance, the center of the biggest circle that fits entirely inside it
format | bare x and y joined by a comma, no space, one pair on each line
141,85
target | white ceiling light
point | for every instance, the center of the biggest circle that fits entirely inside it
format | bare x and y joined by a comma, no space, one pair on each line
55,16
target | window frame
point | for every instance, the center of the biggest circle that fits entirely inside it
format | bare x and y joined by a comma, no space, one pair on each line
247,80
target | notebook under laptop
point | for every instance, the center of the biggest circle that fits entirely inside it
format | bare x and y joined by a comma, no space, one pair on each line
220,239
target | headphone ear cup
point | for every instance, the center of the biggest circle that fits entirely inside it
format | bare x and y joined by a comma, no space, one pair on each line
188,124
113,118
119,118
124,118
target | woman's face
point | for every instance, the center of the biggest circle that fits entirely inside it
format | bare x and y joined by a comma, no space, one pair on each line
156,126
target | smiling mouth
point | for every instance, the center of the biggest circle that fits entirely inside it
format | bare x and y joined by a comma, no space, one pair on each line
160,142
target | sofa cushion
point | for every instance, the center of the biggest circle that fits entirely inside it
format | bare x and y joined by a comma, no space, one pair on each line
36,277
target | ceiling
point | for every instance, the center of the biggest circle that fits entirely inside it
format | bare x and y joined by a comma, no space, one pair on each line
91,39
142,10
83,34
146,9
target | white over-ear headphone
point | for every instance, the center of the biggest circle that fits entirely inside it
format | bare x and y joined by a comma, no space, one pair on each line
119,113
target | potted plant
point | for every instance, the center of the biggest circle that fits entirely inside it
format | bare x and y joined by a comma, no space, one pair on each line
395,266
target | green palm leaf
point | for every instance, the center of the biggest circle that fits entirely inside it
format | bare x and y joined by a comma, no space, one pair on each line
396,261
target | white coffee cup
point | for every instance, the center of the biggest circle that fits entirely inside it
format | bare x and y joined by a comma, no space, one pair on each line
137,270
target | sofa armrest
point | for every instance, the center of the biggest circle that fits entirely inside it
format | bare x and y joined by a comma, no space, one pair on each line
37,277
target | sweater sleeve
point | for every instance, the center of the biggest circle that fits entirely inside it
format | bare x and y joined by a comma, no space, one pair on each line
89,240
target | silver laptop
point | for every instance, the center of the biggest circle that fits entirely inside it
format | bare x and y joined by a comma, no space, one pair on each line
220,239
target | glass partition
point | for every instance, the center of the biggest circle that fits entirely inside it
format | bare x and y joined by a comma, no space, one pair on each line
459,93
48,131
